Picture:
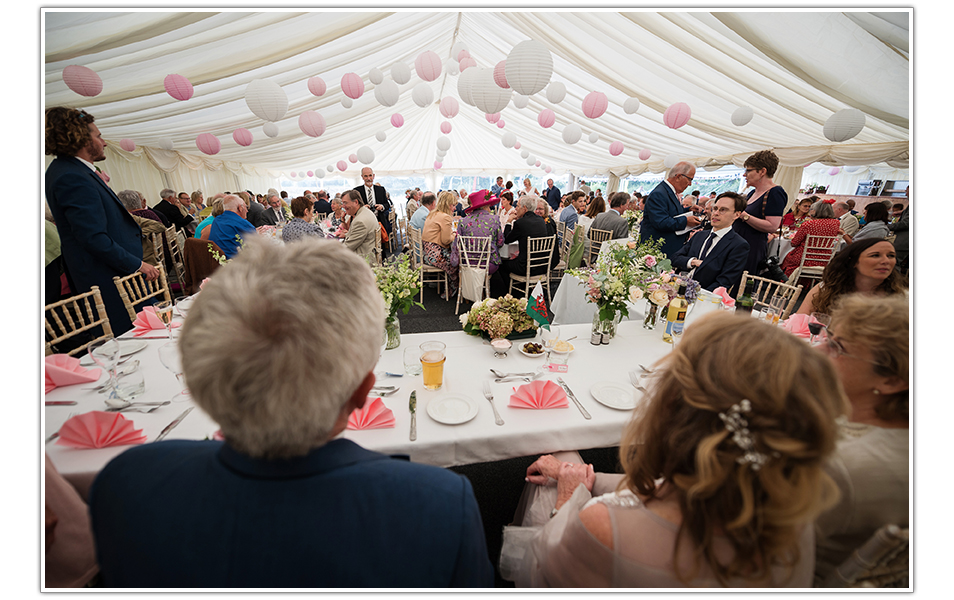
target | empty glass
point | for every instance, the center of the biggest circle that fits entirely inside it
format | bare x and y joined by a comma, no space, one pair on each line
131,385
412,360
105,353
169,356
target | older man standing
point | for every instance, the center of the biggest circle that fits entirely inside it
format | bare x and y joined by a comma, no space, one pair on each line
376,197
284,501
98,236
361,231
230,229
553,195
662,217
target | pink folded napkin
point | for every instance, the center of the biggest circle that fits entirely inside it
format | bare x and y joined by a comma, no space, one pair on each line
99,429
203,282
147,320
63,369
374,415
727,300
539,394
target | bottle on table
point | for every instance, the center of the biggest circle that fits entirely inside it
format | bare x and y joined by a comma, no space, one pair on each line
746,302
676,315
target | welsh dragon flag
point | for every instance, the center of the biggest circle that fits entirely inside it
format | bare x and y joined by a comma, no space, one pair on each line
537,308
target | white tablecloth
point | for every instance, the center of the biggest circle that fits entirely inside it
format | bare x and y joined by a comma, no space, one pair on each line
773,247
569,304
525,432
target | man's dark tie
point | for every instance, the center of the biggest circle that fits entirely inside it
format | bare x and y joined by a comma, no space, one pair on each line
705,247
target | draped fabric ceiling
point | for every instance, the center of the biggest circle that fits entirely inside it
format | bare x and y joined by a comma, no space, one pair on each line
793,68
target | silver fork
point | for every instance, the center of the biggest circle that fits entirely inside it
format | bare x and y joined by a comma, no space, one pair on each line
634,379
490,396
136,409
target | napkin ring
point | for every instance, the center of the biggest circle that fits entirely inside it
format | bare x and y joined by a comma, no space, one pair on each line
738,426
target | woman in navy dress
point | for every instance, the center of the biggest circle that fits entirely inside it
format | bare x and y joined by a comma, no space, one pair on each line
767,202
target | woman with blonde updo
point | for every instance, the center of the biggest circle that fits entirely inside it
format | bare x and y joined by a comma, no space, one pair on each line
438,236
723,473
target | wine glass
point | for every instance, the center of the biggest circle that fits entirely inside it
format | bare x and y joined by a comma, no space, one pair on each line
778,306
549,337
105,353
169,356
816,323
164,312
130,385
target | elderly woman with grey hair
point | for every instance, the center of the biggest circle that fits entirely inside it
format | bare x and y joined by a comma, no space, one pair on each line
821,221
133,202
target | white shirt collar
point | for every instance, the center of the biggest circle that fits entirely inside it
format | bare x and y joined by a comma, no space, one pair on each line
87,163
666,181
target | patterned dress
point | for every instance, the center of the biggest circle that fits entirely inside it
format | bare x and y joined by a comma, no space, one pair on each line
480,223
298,228
810,227
437,240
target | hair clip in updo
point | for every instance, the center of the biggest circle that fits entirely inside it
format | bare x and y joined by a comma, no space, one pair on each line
738,426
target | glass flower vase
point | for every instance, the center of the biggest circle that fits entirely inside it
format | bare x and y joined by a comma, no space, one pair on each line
606,327
652,315
392,332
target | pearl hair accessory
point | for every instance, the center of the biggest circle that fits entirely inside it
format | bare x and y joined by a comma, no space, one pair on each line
736,424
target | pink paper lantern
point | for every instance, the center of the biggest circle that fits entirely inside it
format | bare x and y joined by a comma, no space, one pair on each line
428,65
438,164
208,143
82,80
316,85
397,119
293,174
616,148
501,124
677,115
492,118
310,173
127,144
595,104
516,146
466,63
644,154
831,171
311,123
342,165
546,118
446,127
462,55
537,164
352,158
449,107
242,137
500,74
178,87
548,169
352,85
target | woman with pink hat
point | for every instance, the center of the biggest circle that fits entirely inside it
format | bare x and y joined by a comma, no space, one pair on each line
479,222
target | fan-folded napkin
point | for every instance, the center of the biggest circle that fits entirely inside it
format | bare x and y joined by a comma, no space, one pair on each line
147,320
798,325
727,300
63,369
99,429
539,394
374,415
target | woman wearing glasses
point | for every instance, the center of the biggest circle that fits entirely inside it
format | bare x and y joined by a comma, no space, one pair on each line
767,202
868,345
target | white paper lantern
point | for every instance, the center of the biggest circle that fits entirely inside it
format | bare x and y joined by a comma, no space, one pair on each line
844,124
556,92
422,95
670,161
853,170
441,153
270,129
524,153
266,99
319,173
330,168
465,86
630,106
742,116
166,143
509,139
311,123
381,136
450,66
520,101
375,76
529,67
572,133
488,96
531,160
347,102
387,93
594,137
444,143
400,73
365,155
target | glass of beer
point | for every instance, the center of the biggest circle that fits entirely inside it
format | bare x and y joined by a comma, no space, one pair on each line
432,364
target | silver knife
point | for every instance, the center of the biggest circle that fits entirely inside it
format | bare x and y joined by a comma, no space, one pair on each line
572,396
412,406
172,425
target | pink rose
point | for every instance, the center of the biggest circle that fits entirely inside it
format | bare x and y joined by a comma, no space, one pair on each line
650,261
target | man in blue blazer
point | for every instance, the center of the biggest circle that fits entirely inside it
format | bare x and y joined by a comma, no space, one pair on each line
553,195
716,258
284,501
660,217
99,238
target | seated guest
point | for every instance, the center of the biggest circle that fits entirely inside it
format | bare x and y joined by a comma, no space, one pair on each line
896,209
506,208
185,201
821,221
571,214
724,475
866,267
480,223
149,227
595,208
256,210
849,224
876,219
230,229
202,230
338,214
70,555
437,237
868,344
145,211
302,224
799,213
322,206
361,237
275,214
197,201
717,258
522,225
284,501
169,206
420,215
543,211
612,220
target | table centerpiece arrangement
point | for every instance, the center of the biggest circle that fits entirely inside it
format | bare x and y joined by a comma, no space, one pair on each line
633,219
504,317
399,284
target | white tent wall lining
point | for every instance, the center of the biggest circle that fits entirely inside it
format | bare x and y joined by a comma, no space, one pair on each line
794,68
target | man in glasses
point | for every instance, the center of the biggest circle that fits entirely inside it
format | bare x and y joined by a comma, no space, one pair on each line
663,216
716,258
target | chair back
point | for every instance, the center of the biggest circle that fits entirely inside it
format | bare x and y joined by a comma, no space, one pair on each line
539,254
765,289
882,561
416,247
135,289
175,255
157,239
377,244
819,250
391,241
199,262
319,217
474,252
561,232
597,237
75,316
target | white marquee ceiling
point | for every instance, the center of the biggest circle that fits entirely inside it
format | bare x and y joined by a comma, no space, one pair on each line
794,69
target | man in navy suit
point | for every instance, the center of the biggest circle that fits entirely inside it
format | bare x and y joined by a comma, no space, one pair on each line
284,501
661,218
553,195
376,197
99,238
717,258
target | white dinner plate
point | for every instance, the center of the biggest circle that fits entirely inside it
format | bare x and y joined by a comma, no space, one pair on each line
525,353
126,347
185,303
614,395
452,409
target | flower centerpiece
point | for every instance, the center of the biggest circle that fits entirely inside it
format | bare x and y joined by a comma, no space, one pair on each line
398,284
661,288
633,218
621,275
499,318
